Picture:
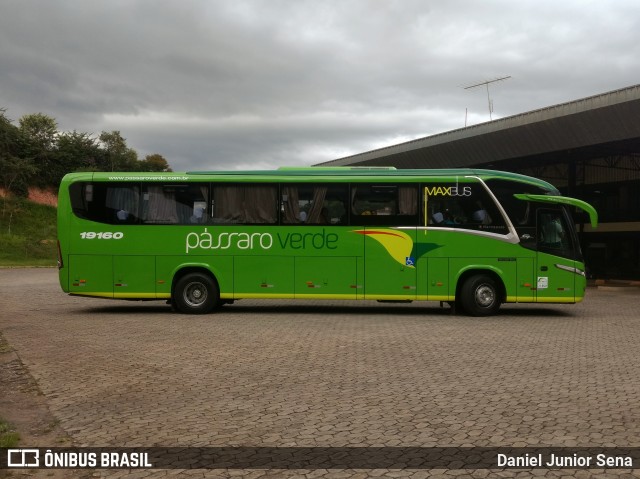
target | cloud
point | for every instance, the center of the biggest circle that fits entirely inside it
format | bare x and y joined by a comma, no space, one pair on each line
244,83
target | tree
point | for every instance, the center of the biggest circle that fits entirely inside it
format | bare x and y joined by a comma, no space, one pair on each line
15,170
40,133
35,152
116,149
15,174
154,162
76,151
41,130
10,143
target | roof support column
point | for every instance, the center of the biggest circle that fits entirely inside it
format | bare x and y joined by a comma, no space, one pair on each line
571,175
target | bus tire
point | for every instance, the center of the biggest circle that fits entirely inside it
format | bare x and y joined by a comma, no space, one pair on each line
480,296
196,293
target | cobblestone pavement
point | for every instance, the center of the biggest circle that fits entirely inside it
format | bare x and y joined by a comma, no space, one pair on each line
334,374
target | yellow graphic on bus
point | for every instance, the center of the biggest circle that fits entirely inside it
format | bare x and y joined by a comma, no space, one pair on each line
397,243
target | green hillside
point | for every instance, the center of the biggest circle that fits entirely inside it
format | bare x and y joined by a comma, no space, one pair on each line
27,233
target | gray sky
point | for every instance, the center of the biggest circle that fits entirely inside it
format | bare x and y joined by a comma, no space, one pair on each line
226,84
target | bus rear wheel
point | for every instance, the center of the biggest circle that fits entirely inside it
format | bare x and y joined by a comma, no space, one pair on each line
480,296
196,293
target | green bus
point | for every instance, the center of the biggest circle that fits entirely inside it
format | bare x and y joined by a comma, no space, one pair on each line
471,238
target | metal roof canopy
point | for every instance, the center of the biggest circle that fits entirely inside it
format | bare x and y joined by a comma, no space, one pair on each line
599,125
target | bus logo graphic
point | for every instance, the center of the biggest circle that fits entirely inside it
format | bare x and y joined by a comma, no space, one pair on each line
23,457
398,244
448,191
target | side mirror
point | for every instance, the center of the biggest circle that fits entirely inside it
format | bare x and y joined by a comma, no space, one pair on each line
528,241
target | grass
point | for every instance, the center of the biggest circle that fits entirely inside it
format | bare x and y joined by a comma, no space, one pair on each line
8,437
27,233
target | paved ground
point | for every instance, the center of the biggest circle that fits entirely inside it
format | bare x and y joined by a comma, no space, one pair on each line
332,374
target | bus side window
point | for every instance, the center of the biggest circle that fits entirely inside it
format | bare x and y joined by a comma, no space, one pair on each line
244,203
384,204
174,203
109,203
462,205
320,204
122,203
159,205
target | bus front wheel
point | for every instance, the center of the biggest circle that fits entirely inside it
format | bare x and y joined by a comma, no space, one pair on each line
480,296
195,293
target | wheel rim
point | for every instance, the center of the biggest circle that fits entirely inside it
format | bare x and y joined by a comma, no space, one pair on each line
485,295
195,294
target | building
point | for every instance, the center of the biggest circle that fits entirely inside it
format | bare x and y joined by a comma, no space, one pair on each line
588,148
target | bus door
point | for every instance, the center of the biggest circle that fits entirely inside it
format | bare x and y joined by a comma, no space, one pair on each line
559,268
555,259
390,270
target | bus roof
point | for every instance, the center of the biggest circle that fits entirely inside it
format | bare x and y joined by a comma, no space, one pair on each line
315,173
362,172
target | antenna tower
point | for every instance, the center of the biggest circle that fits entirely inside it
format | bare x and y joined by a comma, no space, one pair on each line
486,83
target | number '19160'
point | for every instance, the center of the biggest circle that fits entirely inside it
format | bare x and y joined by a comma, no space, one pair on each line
102,235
